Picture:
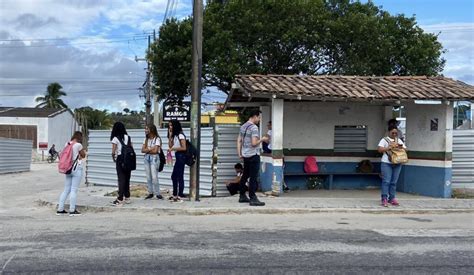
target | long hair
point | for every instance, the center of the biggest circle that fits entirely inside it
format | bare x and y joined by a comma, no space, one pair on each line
118,131
77,136
177,129
152,129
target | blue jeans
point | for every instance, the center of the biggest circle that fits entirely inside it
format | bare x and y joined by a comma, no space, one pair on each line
178,174
71,184
390,174
152,163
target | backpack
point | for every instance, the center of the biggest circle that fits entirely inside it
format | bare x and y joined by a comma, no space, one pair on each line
65,164
396,155
365,166
311,165
127,158
191,153
162,157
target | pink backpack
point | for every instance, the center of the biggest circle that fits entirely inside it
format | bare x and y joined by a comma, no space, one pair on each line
65,159
311,165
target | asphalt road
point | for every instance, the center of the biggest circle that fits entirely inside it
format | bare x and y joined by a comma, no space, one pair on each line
34,240
131,242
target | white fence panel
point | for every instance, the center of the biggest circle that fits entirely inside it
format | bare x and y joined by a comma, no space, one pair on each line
226,153
463,159
101,168
15,155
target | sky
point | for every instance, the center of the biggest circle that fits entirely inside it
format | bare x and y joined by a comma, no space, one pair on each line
89,46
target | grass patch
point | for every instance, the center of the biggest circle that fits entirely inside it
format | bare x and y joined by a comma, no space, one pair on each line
136,191
463,193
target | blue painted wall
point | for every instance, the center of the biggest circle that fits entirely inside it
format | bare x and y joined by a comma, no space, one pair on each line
426,181
339,182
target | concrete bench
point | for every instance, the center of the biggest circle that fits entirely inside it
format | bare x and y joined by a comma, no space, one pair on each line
330,175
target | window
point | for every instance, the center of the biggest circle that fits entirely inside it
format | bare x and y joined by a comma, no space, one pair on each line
350,139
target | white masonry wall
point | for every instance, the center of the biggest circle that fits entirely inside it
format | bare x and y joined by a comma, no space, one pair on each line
40,122
60,130
311,124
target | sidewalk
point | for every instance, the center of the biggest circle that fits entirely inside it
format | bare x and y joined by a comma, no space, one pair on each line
91,198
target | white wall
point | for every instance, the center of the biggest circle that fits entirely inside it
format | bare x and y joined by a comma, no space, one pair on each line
40,122
419,127
61,128
311,124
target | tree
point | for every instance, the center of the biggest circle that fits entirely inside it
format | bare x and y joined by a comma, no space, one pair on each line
51,98
292,37
95,119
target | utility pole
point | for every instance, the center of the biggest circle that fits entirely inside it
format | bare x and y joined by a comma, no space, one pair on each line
196,85
148,89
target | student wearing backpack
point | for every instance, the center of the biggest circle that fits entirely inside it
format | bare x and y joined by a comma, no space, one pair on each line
177,144
119,138
151,148
248,149
390,171
74,150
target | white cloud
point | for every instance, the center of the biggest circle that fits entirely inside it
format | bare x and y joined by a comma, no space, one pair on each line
458,40
93,66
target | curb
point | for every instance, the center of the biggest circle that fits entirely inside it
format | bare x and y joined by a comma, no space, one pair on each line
255,210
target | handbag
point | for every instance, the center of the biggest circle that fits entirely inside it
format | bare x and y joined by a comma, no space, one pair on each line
397,155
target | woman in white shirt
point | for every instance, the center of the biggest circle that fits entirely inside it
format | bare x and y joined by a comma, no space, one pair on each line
151,148
177,143
119,135
73,180
390,172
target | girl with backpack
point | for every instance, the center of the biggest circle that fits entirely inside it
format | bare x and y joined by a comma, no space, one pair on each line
73,176
390,171
151,148
177,143
118,137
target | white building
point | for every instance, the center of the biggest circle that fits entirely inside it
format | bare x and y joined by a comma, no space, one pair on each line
46,126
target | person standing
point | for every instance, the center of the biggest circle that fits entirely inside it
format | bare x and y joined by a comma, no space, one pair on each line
267,146
248,149
118,136
151,148
73,180
177,144
390,171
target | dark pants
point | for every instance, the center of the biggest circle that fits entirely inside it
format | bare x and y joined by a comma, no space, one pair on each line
123,181
251,172
178,175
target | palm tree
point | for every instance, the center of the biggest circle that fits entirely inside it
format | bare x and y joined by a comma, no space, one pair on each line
51,98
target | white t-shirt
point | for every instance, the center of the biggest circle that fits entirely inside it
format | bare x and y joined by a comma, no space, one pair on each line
152,142
76,148
269,134
383,143
116,141
176,143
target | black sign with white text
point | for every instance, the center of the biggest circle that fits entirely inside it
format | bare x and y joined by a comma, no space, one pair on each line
176,111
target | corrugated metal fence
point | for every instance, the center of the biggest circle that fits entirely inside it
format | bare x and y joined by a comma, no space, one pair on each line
101,168
463,159
15,155
226,154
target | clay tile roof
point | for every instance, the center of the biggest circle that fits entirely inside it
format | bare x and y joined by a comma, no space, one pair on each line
354,87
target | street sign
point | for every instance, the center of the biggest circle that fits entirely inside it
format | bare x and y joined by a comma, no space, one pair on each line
43,145
176,111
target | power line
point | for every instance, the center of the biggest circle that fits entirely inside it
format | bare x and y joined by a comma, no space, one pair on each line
69,44
75,38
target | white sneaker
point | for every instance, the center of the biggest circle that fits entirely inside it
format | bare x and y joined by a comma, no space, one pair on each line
127,201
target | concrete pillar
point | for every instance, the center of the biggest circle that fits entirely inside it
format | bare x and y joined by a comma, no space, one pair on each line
277,125
429,142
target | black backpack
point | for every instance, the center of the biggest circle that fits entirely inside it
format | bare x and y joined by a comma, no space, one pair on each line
127,158
191,153
162,157
365,166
